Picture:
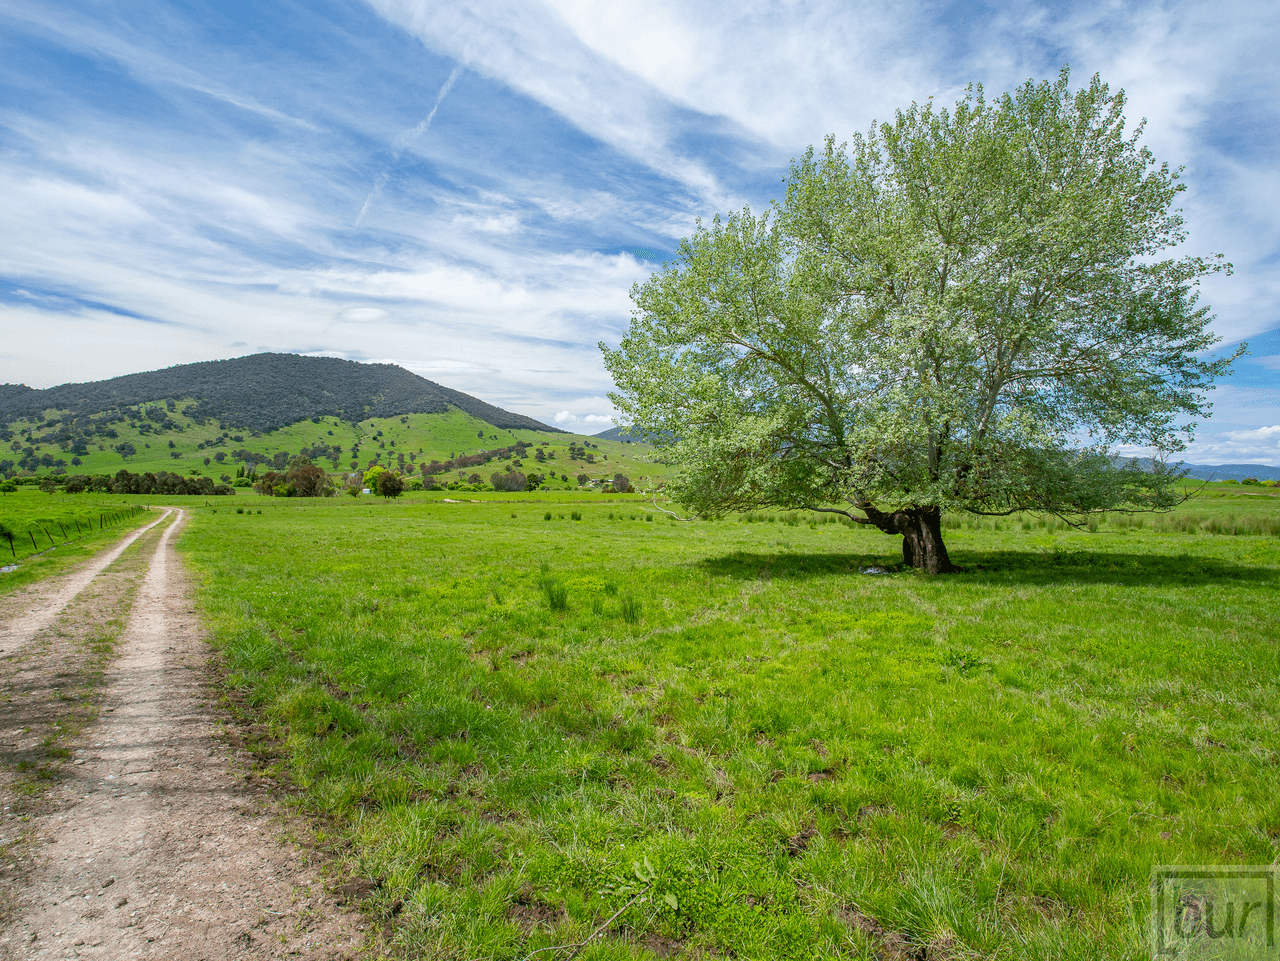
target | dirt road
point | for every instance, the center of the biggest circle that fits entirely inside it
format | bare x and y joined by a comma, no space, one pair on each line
145,841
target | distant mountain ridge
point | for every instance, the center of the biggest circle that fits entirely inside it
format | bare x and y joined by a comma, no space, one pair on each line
264,392
626,437
1217,471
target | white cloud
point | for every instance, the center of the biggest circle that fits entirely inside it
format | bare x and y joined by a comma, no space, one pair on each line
790,73
1257,446
566,418
523,45
360,315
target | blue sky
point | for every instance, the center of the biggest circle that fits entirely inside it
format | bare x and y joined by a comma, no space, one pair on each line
470,189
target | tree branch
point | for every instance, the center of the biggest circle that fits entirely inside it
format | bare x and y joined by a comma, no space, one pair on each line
688,520
836,510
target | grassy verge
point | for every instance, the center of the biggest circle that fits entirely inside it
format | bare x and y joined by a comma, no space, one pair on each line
51,534
523,725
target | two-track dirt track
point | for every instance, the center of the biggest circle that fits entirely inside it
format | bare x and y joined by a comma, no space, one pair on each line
128,830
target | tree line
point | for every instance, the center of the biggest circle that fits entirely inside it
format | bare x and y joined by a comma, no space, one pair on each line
161,482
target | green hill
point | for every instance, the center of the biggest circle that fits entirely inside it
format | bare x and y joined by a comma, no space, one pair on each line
212,418
261,392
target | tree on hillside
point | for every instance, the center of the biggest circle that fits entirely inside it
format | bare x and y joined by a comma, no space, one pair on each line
963,311
125,450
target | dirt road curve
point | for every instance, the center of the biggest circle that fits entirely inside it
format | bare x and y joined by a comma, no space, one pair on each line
148,845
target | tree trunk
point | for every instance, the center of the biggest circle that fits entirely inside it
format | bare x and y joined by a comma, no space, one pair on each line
921,530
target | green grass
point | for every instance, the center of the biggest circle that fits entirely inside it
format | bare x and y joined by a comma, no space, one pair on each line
40,521
520,725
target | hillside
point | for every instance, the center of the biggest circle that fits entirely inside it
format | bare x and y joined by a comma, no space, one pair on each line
129,422
262,392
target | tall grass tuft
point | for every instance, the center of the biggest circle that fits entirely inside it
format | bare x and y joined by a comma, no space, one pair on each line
557,594
631,609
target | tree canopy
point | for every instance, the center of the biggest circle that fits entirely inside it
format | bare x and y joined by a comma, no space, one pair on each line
961,310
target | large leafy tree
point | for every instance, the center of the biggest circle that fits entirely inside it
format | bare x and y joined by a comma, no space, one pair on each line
963,310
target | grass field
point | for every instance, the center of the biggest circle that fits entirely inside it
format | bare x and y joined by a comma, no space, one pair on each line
515,726
40,523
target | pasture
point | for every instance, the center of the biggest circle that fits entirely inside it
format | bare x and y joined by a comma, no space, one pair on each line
42,533
524,720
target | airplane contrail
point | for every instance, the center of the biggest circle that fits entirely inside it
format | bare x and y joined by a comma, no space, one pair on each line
405,139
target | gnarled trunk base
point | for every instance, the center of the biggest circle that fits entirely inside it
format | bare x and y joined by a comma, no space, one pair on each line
921,530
